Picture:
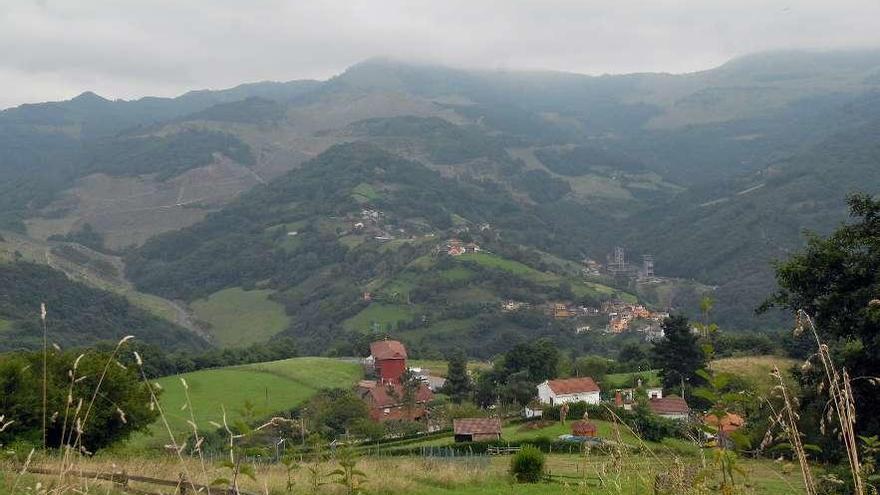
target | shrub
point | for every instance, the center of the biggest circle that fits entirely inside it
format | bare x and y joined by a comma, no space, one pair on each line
527,465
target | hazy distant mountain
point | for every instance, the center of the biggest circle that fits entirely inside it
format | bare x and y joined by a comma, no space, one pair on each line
714,172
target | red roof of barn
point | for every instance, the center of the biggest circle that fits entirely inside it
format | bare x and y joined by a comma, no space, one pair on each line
476,426
573,386
387,349
671,404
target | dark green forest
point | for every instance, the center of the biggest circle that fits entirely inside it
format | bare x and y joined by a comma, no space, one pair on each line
76,314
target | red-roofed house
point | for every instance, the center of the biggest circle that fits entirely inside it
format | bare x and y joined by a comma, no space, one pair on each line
386,401
671,406
569,390
389,358
476,429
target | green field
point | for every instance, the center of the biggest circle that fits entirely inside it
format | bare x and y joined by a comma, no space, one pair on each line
650,378
239,318
756,369
439,367
382,314
499,263
364,193
269,387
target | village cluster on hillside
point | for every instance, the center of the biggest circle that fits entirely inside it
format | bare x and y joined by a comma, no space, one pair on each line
391,397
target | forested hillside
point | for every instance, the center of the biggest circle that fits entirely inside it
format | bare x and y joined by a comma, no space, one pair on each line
304,237
76,314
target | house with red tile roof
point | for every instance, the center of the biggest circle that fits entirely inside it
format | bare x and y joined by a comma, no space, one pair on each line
476,429
386,397
671,407
387,401
583,389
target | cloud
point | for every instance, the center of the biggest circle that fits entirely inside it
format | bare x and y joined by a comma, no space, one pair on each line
55,49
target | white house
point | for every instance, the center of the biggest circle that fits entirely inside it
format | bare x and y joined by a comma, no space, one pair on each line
568,390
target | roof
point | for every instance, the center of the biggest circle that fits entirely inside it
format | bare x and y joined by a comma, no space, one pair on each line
476,426
729,422
573,386
391,394
583,429
671,404
387,349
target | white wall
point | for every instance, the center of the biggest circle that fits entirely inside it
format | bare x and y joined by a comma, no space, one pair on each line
546,396
588,397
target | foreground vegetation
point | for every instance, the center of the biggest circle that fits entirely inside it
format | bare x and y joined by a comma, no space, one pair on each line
588,474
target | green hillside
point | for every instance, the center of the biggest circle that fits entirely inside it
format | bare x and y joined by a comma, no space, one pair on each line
239,318
268,387
320,269
715,173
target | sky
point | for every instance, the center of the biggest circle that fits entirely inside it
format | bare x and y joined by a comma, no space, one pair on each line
56,49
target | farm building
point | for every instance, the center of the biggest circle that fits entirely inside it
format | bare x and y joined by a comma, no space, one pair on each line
584,429
389,359
568,390
671,406
476,429
385,401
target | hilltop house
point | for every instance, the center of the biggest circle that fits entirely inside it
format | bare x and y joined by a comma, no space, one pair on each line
568,390
476,429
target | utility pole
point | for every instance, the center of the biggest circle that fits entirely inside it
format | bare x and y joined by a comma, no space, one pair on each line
45,368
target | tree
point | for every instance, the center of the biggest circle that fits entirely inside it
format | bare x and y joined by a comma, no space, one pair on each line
518,389
596,367
678,354
121,404
458,383
835,280
538,358
333,412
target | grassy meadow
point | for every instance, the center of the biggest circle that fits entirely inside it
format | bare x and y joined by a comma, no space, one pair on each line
268,387
239,318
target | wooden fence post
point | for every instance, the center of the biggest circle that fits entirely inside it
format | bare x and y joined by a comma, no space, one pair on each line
182,485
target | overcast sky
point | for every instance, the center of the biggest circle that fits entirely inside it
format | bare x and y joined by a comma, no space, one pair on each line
56,49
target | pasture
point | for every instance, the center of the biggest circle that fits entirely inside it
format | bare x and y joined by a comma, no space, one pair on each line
239,318
267,387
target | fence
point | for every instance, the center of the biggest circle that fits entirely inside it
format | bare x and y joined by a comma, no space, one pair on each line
122,482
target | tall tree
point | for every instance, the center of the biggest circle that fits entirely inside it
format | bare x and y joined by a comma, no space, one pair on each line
458,382
836,280
113,407
678,354
538,358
